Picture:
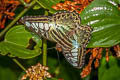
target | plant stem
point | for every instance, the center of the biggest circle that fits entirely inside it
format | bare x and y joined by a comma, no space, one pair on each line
16,19
44,52
20,65
45,48
23,2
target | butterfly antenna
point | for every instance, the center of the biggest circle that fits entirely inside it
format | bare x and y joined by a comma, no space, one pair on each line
51,48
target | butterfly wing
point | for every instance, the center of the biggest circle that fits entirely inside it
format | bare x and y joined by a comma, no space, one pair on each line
38,24
61,24
43,25
71,37
66,20
79,38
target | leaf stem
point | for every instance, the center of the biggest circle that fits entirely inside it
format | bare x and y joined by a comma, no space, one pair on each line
19,64
16,19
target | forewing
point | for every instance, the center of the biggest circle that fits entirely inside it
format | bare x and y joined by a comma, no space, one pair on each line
38,24
66,21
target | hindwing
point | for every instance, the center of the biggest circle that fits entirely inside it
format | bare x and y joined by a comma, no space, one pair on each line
79,38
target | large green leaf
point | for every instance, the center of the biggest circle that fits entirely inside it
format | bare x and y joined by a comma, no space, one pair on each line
104,18
110,70
16,42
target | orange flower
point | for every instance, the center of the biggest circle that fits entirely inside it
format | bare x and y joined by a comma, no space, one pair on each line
96,54
6,10
27,1
76,5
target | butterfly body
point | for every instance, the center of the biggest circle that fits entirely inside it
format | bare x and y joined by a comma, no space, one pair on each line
63,28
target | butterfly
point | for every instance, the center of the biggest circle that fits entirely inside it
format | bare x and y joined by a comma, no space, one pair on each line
66,30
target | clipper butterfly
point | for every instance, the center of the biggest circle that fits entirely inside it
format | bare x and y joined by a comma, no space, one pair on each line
65,29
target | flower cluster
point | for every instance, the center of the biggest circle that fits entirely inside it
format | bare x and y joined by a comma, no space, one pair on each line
96,54
75,5
7,8
37,72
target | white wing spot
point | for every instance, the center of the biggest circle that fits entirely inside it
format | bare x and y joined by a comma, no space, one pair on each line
73,59
27,24
67,55
46,26
74,64
41,25
42,32
74,50
35,26
52,25
75,54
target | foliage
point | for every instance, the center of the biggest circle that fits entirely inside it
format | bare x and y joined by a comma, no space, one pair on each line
113,66
103,16
16,41
19,43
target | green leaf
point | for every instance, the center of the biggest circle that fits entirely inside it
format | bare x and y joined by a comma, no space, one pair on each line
37,6
38,40
104,17
110,70
16,42
47,4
